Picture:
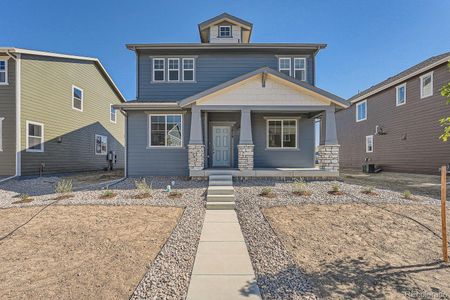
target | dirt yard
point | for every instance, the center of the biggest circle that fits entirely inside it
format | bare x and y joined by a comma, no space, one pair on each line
80,252
357,250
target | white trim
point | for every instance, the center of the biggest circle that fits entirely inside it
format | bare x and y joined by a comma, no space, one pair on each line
193,68
163,69
300,69
6,72
95,145
422,96
397,88
169,69
28,136
149,132
110,114
279,65
282,129
73,97
365,110
1,134
225,26
369,137
18,115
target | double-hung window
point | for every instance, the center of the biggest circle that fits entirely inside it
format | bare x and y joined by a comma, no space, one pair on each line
188,69
77,98
158,69
426,85
282,134
224,31
361,111
35,137
284,65
3,72
300,68
174,69
112,114
1,134
101,144
165,130
400,92
369,144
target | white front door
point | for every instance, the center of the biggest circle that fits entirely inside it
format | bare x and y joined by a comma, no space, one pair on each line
221,146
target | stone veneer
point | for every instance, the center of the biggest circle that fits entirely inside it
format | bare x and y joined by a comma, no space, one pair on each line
196,157
245,157
328,157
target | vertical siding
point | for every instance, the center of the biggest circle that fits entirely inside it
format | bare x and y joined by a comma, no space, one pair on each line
211,69
418,120
8,111
47,98
144,161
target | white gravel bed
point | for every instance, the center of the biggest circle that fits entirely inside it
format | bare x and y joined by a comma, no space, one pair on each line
278,276
169,274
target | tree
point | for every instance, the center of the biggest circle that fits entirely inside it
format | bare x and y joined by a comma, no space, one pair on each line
445,121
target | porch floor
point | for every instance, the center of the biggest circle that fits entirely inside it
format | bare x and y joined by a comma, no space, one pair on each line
266,172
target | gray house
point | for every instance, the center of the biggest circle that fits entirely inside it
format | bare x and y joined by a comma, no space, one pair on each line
226,105
56,114
395,123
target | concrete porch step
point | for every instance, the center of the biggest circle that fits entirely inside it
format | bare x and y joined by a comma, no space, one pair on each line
220,205
220,198
220,177
220,183
220,190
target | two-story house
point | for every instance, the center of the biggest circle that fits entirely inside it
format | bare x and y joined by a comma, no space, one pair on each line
228,105
56,114
395,124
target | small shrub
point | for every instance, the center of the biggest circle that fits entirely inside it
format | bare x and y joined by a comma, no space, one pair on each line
108,194
24,198
368,191
63,197
301,189
335,190
407,195
145,190
175,194
268,193
64,186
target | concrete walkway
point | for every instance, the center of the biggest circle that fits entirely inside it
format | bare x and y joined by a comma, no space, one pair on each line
222,268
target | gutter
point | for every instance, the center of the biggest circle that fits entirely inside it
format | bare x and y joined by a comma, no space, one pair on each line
147,105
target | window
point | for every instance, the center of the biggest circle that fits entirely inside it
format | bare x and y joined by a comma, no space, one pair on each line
284,65
300,68
158,69
174,69
361,111
77,98
1,134
101,144
188,69
35,137
400,94
112,114
281,134
224,31
165,131
426,85
3,72
369,144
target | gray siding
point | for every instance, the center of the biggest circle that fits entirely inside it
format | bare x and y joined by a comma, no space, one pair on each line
211,69
47,98
8,111
417,120
144,161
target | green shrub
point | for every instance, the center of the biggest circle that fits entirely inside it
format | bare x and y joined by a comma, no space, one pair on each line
107,194
143,187
301,188
267,192
335,188
64,186
407,195
24,198
368,190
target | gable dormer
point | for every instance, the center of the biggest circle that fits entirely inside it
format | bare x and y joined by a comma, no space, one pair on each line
225,28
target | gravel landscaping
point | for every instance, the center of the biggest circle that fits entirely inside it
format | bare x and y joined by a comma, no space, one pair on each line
278,274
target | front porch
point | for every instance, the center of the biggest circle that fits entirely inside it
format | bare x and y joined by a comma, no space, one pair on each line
268,172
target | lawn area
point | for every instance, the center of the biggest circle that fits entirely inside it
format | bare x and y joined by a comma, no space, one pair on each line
80,252
365,250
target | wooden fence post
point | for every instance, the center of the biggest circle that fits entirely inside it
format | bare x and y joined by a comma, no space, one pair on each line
443,212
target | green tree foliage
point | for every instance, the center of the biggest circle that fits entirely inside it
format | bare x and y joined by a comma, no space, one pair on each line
445,122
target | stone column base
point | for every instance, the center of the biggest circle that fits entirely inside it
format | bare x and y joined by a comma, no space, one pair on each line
196,156
245,157
328,157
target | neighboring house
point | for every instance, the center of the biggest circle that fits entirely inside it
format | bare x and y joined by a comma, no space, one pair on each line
56,114
226,103
395,124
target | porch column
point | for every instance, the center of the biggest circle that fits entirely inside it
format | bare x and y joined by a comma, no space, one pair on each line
245,147
196,148
328,150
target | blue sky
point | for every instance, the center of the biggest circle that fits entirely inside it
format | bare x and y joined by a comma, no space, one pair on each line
368,41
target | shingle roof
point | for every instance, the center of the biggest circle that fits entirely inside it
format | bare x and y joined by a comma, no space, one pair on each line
225,16
420,67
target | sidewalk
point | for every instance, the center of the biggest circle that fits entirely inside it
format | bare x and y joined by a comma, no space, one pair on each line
222,268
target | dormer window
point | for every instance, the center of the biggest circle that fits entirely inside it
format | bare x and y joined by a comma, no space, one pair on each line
225,31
